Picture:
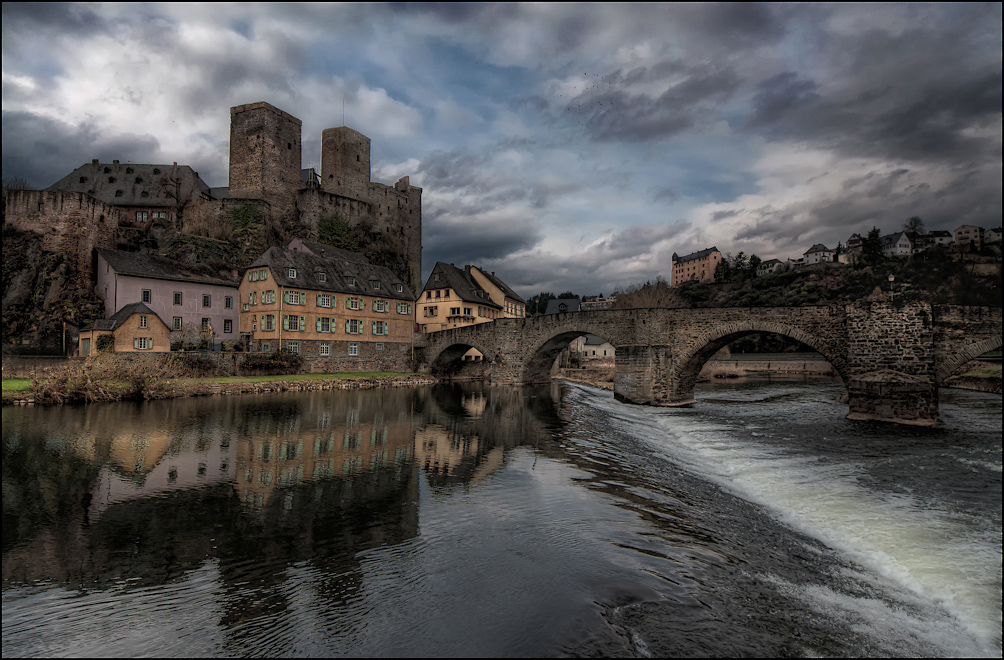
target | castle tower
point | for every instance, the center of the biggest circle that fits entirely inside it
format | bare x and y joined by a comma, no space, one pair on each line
345,163
264,155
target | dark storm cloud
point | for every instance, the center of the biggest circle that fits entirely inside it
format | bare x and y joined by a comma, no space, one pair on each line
42,151
473,242
27,18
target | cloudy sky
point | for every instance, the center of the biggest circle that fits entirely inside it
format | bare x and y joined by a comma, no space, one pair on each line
563,146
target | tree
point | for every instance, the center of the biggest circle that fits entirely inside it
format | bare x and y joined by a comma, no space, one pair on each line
871,247
334,230
538,303
187,336
723,271
566,295
914,225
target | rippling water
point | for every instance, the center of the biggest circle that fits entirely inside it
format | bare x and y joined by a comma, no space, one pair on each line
471,521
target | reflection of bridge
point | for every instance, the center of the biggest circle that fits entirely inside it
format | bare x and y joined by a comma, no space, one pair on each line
892,358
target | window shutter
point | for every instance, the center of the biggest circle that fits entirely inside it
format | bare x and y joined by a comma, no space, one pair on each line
317,324
285,321
303,323
318,300
333,326
149,343
135,343
285,297
374,305
347,331
374,328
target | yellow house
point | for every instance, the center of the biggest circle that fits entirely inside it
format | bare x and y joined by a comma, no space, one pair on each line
332,307
135,328
513,306
453,298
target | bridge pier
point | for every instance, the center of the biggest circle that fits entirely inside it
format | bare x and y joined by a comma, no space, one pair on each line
642,376
888,396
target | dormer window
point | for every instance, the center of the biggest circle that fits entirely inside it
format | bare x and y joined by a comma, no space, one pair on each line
399,288
351,281
291,273
83,179
375,284
322,277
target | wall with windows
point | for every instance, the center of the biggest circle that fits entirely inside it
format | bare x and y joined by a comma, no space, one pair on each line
176,303
332,331
140,333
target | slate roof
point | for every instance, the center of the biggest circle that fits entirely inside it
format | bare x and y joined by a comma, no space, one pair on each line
892,239
133,184
594,340
337,271
462,282
553,305
158,268
818,247
328,251
695,255
119,317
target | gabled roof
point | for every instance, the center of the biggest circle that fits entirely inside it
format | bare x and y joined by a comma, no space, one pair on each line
769,262
892,239
134,184
509,293
449,276
695,255
159,268
326,251
818,247
554,305
369,279
119,317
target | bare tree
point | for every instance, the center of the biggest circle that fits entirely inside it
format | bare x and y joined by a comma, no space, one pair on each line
914,225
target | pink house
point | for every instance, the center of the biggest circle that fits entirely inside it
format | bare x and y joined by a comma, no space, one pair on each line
177,295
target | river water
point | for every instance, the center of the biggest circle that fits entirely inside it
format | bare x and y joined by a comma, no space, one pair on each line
479,521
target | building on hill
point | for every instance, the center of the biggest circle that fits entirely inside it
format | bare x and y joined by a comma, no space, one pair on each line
179,296
818,254
968,234
597,302
897,245
453,298
992,236
335,309
86,207
767,267
135,328
696,266
513,306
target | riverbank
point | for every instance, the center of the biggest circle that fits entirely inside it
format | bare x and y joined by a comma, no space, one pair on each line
229,386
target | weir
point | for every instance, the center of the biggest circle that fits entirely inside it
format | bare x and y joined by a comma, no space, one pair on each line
892,358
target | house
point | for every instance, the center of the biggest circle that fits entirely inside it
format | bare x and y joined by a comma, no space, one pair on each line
453,298
818,254
968,234
181,297
562,306
769,266
134,328
597,302
695,267
332,307
513,306
593,349
992,236
897,245
931,239
855,241
849,255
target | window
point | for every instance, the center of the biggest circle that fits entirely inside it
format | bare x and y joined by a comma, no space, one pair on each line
380,328
322,277
268,322
266,347
206,300
228,302
351,281
177,297
146,295
399,288
294,323
438,292
378,345
324,300
379,305
353,303
142,343
206,325
353,348
160,215
176,324
431,311
294,298
251,297
292,347
375,284
467,311
291,272
323,324
353,327
404,308
228,326
141,216
268,297
143,323
324,348
454,311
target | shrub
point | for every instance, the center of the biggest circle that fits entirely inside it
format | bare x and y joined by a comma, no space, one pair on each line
105,343
271,364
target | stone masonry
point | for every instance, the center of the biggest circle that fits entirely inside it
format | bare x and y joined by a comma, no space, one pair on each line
892,358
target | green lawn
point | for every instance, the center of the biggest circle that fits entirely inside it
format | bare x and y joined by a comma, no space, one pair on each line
990,372
16,384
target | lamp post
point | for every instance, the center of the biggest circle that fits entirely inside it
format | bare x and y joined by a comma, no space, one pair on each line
892,278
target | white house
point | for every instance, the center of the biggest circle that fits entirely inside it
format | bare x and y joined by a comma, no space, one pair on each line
897,245
818,254
769,266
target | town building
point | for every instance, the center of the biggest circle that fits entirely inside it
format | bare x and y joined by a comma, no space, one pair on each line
897,245
597,302
204,304
513,306
992,236
135,329
562,306
696,266
968,234
818,254
855,241
334,308
592,350
769,266
453,298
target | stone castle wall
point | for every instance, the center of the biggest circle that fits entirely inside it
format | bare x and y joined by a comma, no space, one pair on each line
71,223
265,154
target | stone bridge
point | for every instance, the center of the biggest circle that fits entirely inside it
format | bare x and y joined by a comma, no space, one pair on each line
891,357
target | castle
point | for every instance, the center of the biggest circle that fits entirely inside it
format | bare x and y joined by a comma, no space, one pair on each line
83,210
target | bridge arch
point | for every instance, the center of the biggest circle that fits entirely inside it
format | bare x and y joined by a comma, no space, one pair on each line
448,361
537,366
967,352
689,362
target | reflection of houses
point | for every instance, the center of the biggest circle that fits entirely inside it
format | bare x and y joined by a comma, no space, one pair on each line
134,328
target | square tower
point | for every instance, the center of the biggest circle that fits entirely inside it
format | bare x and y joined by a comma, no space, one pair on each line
345,163
264,154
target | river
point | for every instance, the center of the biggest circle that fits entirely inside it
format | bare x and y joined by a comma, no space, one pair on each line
470,520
